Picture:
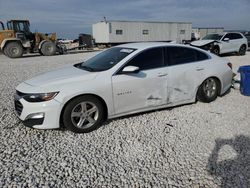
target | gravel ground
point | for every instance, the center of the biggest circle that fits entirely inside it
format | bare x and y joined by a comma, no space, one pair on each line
197,145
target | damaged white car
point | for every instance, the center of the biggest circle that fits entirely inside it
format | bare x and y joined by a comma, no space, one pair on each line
122,80
223,43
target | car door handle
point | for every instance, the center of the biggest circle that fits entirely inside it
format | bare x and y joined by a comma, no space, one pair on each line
162,74
199,68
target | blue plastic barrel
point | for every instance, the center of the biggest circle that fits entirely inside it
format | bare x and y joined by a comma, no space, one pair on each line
245,80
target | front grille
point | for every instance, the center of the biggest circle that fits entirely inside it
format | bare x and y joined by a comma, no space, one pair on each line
18,107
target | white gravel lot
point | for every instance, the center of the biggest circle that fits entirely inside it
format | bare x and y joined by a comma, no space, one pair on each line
197,145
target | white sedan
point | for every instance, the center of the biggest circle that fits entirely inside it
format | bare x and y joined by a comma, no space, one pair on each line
122,80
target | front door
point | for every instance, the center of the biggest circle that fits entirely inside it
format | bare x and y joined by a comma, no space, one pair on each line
227,46
142,90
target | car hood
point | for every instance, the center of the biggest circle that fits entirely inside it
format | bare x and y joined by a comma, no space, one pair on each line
61,77
201,42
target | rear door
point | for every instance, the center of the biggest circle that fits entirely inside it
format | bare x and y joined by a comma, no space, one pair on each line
237,41
185,67
142,90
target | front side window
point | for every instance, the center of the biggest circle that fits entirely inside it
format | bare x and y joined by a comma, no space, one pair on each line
182,55
148,59
230,36
21,26
237,36
105,60
119,32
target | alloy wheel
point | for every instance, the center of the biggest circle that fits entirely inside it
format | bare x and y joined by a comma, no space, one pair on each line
84,115
209,87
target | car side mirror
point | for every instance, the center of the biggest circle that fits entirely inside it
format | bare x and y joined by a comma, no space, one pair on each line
226,39
130,69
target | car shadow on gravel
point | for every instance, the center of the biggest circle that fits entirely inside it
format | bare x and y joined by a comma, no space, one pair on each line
233,172
229,54
227,92
146,112
30,55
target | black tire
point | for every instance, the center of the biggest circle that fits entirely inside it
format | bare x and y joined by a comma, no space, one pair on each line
216,50
13,50
242,50
5,52
77,115
40,52
210,85
48,48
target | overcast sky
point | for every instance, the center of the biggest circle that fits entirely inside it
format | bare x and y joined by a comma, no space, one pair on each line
70,17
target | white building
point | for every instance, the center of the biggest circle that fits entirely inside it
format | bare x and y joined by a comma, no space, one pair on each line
116,32
198,33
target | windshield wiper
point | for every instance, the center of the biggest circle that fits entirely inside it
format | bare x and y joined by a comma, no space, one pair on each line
87,68
80,66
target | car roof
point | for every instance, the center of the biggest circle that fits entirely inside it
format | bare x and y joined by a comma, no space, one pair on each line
233,32
223,33
144,45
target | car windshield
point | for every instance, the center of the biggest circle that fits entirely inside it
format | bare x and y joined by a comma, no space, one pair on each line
105,60
212,37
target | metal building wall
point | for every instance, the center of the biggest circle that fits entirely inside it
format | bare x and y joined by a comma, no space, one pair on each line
204,31
100,32
133,31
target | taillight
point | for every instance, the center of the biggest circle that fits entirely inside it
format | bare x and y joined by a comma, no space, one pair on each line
230,65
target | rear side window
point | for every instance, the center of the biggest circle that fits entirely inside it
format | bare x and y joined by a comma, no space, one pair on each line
233,36
182,55
148,59
201,56
237,36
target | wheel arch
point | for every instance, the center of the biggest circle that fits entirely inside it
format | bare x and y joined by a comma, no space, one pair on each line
8,40
81,95
41,43
243,45
218,81
217,46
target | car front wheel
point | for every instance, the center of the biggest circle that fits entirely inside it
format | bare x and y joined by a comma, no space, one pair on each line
208,90
83,114
216,50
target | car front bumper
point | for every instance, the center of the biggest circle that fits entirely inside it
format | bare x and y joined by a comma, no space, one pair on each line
39,115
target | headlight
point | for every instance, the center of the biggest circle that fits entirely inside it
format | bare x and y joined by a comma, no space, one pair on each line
39,97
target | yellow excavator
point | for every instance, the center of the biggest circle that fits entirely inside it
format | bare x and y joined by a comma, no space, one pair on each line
17,39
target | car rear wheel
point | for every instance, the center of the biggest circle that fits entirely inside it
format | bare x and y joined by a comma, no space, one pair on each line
83,114
242,50
208,90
